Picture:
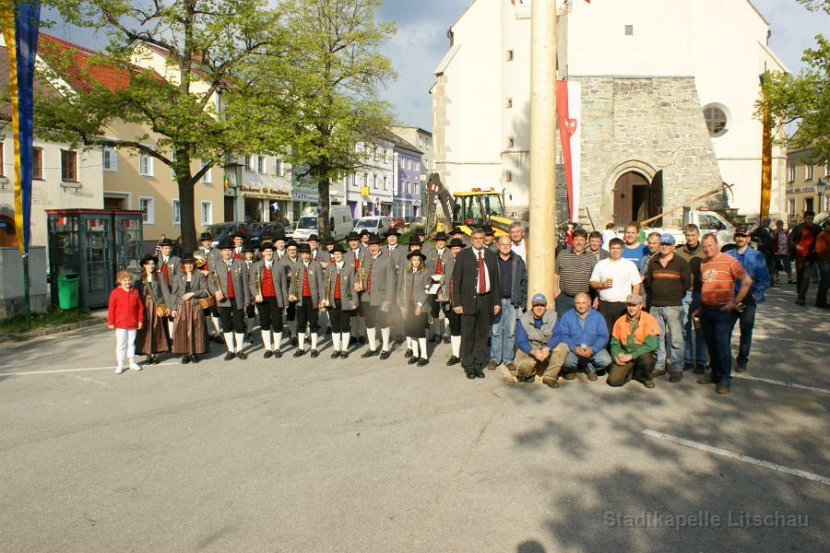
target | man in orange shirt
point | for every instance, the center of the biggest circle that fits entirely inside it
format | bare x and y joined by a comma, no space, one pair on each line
718,274
634,342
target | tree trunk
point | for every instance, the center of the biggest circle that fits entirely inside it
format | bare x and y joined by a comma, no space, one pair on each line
323,221
187,207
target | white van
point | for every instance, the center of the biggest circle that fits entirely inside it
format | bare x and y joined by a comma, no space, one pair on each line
340,223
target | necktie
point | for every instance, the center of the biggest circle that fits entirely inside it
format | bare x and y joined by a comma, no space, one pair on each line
439,267
482,282
369,278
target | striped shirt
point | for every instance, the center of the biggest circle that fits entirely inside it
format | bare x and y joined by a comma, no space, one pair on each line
574,271
718,277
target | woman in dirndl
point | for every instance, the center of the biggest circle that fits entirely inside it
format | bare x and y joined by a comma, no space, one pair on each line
152,337
190,335
412,297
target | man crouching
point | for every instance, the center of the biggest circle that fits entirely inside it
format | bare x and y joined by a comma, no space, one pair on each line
634,342
536,352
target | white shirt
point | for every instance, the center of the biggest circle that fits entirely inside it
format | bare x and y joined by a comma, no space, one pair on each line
607,235
520,249
625,276
486,272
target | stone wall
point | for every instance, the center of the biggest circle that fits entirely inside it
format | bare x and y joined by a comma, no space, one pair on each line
644,124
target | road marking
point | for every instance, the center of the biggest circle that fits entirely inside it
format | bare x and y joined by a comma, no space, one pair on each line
85,369
779,383
746,459
789,340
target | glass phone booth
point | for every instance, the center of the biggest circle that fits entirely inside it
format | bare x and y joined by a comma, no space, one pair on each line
94,244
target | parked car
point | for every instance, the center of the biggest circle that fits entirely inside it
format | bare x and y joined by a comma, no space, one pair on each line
220,231
376,224
340,223
258,230
397,223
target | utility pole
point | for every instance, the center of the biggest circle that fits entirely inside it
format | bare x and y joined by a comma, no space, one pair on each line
542,245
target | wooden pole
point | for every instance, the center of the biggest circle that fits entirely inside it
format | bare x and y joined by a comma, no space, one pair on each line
542,245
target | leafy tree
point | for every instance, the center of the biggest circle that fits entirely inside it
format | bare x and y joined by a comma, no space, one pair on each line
325,88
176,117
816,5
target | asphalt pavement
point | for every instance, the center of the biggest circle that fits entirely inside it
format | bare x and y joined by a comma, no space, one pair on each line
320,455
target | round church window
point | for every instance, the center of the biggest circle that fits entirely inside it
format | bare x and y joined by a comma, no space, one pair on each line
715,120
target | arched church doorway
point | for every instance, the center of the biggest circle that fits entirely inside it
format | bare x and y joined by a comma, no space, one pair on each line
636,199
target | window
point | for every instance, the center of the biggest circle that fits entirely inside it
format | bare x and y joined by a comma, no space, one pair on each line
279,171
207,213
629,30
808,172
69,166
148,208
715,118
374,181
509,56
791,172
260,165
511,142
386,183
249,163
110,159
207,178
37,163
177,212
509,103
791,206
508,176
145,165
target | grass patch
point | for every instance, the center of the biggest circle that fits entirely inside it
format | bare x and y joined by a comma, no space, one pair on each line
55,316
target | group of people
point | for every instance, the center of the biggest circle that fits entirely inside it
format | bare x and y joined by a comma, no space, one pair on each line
627,309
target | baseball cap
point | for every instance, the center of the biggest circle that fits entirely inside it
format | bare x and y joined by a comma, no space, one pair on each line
667,238
538,299
631,299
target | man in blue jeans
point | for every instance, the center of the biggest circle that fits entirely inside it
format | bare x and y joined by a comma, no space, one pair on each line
755,264
585,333
513,294
695,355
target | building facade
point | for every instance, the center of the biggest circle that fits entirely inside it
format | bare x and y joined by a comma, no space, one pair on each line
806,186
659,115
369,190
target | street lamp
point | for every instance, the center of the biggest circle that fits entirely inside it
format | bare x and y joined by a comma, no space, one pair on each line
821,186
233,178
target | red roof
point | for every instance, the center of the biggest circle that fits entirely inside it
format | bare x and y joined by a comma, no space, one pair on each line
83,68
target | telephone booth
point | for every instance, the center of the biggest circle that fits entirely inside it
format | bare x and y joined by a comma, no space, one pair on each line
93,244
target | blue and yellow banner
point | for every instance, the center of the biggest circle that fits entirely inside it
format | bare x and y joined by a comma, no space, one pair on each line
21,22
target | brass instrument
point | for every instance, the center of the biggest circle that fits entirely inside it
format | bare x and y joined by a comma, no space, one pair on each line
216,283
258,282
199,258
361,272
296,283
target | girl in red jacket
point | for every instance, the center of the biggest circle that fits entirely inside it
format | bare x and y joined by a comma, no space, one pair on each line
126,316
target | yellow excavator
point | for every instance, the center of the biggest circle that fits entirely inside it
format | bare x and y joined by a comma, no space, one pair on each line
466,210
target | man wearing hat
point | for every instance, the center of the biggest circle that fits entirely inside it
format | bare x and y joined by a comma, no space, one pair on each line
426,246
364,239
537,351
668,278
268,289
314,246
633,345
378,285
169,267
456,232
247,256
414,244
228,284
475,297
288,265
436,265
279,246
399,257
341,300
307,291
755,264
490,239
355,256
453,319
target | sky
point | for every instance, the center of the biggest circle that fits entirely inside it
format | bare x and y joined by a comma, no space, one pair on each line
422,41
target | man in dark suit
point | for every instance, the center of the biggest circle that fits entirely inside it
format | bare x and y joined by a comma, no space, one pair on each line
475,289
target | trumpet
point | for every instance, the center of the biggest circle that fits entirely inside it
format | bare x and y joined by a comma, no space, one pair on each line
199,258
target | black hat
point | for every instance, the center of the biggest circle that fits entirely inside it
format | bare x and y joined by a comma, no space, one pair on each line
488,230
363,233
456,230
392,232
414,241
266,246
420,230
304,248
374,239
742,229
290,243
279,236
457,243
442,236
246,248
205,236
226,244
166,242
415,253
188,259
328,241
238,234
338,248
147,258
353,236
314,237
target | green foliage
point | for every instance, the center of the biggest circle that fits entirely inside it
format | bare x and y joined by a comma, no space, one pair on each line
816,5
174,111
804,99
52,318
322,92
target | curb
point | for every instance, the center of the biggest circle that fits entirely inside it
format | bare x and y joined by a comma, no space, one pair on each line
49,330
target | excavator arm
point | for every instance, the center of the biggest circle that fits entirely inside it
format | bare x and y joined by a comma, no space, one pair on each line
439,206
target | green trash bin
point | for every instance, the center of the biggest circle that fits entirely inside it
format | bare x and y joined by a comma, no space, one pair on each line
68,286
